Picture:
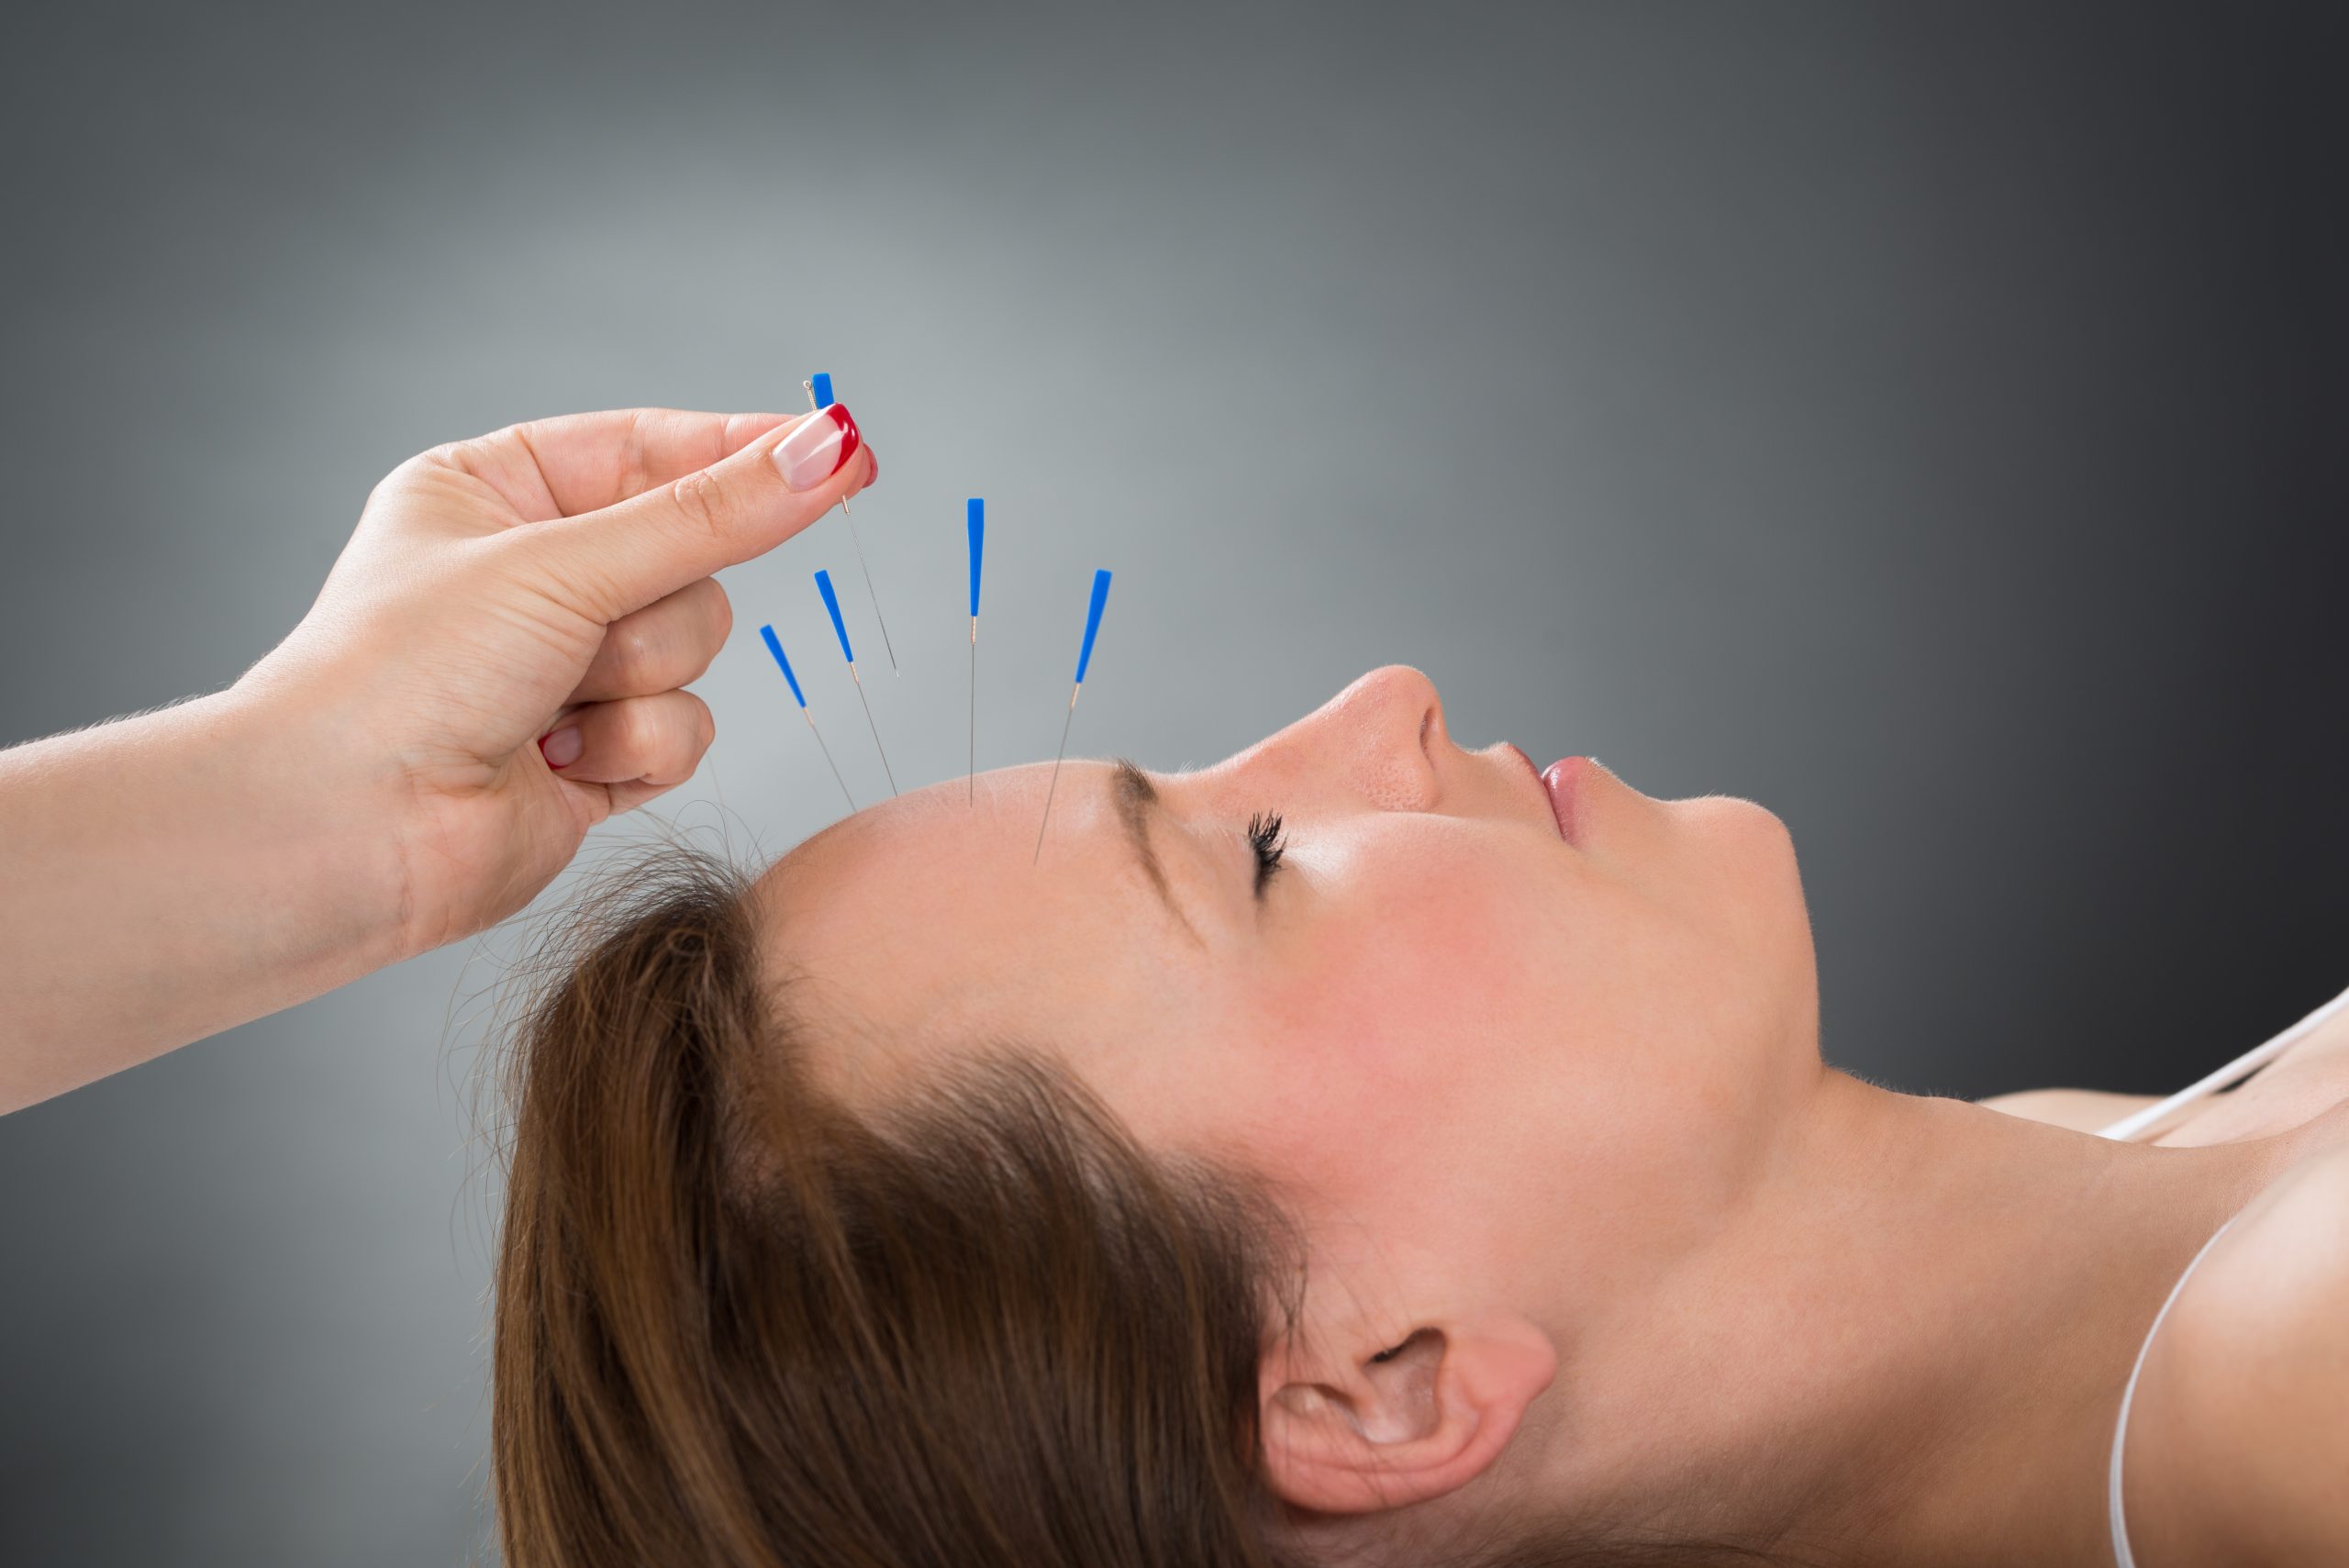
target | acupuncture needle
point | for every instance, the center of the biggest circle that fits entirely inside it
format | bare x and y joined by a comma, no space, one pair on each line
774,645
820,397
974,528
832,607
1084,658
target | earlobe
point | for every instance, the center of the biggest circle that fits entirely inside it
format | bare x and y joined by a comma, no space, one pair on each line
1402,1423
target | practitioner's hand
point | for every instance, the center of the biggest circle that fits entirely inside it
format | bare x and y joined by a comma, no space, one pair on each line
496,662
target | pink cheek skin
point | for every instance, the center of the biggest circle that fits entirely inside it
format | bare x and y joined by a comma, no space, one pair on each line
1385,1047
1471,1036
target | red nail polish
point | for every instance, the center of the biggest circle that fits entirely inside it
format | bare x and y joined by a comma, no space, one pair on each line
815,450
850,436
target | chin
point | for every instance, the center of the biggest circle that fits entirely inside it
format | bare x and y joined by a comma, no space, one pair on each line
1749,857
1744,830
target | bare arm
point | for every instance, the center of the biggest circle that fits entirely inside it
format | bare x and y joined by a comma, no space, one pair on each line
495,665
164,878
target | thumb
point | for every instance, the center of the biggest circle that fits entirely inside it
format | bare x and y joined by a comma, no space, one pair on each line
604,564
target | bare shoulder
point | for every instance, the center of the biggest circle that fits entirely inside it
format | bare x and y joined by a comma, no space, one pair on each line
2239,1445
2083,1110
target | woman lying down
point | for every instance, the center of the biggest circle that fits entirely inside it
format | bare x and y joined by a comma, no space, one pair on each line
1364,1150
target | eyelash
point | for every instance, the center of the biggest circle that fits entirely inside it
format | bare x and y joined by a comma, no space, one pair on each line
1265,834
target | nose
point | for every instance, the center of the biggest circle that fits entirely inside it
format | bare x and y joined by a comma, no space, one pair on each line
1374,744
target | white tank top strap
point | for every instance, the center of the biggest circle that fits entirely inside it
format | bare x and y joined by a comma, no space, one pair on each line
2122,1556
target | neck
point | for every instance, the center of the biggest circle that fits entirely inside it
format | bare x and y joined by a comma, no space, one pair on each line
1949,1302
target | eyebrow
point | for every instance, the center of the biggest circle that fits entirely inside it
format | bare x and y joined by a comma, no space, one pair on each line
1135,799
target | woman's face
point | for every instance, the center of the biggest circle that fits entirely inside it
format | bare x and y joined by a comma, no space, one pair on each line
1489,1052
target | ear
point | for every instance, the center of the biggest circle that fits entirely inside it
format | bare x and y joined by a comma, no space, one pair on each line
1388,1425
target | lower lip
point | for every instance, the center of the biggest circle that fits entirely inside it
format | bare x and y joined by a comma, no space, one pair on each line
1562,779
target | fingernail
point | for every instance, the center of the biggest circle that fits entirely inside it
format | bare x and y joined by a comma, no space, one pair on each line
816,447
563,747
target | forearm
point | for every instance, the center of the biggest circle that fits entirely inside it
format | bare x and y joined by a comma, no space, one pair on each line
374,786
167,876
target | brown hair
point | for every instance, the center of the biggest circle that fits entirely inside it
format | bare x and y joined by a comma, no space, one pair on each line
737,1328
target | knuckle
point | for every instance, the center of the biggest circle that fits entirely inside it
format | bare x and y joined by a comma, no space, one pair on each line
477,454
636,647
702,501
410,473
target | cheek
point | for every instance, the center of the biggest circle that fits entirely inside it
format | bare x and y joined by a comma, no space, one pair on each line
1389,1032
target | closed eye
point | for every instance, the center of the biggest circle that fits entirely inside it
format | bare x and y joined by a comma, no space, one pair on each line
1270,843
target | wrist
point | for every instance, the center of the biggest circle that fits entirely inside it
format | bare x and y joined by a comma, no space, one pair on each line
323,817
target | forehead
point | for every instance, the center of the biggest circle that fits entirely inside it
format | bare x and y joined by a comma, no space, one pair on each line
931,921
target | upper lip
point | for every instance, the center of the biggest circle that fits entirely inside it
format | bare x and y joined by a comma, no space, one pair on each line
1540,786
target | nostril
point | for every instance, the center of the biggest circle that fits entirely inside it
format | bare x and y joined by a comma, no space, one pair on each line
1431,726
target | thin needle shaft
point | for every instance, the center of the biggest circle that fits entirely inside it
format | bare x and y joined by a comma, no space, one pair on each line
879,619
1056,775
875,728
828,758
970,786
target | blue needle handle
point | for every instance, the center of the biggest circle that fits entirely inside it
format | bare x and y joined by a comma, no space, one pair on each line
832,605
1093,621
774,645
820,384
975,524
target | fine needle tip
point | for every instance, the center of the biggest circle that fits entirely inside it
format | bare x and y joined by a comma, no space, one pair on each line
971,781
878,747
1084,658
827,759
1055,783
870,592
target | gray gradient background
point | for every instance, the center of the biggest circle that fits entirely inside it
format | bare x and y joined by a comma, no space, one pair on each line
1925,422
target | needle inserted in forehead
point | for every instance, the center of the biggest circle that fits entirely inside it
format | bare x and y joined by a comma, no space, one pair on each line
832,606
1084,658
819,396
974,526
774,645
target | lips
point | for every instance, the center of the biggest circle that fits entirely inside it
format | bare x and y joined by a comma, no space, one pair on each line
1541,780
1563,780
